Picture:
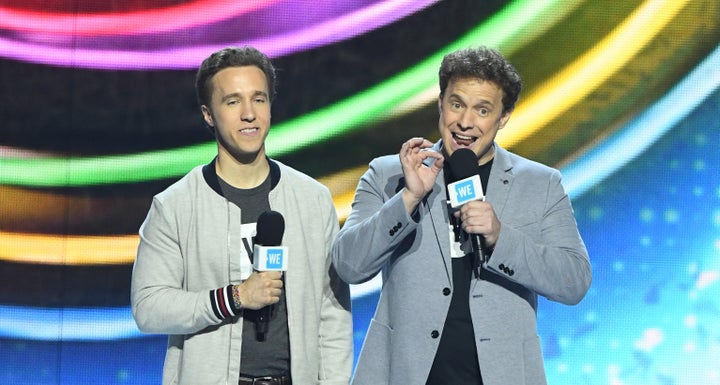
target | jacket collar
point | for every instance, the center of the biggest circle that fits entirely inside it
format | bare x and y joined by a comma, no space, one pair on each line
211,177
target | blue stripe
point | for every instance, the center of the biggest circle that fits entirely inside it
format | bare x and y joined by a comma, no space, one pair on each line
640,133
67,324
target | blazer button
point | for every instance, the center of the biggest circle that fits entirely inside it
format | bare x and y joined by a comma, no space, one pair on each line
502,267
392,232
446,291
435,334
399,225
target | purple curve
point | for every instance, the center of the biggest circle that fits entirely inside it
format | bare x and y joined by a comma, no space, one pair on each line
160,51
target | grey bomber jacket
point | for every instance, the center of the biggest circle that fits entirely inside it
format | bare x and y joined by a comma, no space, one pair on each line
190,247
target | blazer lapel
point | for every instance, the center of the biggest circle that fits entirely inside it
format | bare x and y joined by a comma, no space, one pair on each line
500,181
498,189
436,205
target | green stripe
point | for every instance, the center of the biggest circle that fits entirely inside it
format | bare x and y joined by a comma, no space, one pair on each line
518,23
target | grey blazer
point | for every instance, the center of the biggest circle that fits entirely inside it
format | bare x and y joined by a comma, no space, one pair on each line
539,252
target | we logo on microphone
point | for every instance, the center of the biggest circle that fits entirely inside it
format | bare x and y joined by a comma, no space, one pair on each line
275,258
270,258
465,190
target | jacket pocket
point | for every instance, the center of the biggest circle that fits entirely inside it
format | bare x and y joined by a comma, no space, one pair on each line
512,360
373,366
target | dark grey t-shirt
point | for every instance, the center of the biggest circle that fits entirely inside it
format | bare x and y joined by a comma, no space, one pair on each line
270,357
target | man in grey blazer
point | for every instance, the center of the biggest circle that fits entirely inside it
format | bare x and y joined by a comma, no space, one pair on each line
437,322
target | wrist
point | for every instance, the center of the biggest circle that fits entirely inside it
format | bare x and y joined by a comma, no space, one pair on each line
409,200
236,297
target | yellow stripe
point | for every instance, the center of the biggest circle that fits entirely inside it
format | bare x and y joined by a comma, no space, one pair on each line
564,90
121,249
68,250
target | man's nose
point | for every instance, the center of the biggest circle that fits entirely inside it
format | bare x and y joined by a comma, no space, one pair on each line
248,112
465,122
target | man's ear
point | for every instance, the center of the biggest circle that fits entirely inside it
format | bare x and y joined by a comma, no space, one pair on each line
504,119
207,115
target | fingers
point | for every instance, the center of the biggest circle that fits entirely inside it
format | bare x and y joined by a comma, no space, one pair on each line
420,166
474,215
271,287
418,150
478,217
416,143
432,159
413,146
262,289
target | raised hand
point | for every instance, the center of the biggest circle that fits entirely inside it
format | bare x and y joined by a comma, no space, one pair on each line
419,178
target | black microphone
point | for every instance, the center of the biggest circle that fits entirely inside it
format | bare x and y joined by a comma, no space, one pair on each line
268,255
465,187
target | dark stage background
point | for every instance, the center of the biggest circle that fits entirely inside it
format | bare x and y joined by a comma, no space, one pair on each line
98,114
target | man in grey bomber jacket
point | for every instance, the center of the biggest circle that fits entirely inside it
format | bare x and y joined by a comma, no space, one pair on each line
193,278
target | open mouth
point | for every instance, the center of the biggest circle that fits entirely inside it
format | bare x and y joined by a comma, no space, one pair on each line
248,130
464,140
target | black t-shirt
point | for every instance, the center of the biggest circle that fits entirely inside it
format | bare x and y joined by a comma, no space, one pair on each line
456,360
271,356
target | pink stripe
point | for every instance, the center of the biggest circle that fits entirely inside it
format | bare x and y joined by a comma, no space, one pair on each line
176,17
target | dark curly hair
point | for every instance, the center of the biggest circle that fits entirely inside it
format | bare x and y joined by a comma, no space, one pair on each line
232,57
482,63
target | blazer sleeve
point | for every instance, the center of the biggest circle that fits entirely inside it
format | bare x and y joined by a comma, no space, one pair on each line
376,225
544,252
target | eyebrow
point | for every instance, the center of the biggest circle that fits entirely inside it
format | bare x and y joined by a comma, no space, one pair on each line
483,103
236,95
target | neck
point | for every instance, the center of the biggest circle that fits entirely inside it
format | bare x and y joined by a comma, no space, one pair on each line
242,174
487,156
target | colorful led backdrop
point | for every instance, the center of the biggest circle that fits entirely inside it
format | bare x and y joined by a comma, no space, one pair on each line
98,114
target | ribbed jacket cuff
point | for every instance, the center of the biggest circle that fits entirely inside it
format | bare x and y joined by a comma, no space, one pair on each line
222,303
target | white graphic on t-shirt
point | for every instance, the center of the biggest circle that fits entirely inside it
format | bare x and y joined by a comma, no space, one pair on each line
247,232
460,244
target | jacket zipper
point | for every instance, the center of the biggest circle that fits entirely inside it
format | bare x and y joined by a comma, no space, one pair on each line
229,275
